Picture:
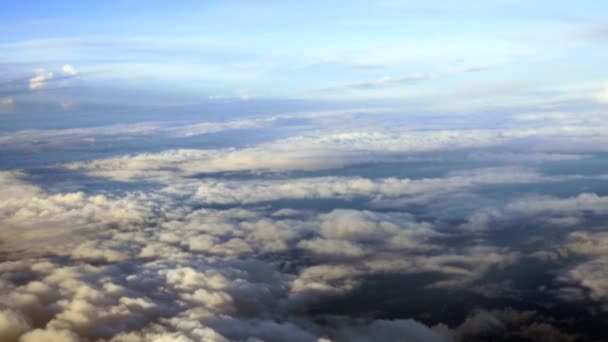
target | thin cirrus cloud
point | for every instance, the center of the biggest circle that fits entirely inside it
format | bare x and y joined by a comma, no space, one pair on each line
388,81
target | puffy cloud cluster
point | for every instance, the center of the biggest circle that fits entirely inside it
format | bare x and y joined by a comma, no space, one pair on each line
250,191
586,280
296,153
558,212
330,148
36,221
142,267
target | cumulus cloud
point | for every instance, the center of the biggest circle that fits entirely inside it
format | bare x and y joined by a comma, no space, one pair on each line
40,79
586,280
297,153
50,336
12,324
193,255
558,212
249,191
387,330
330,149
30,216
582,202
69,70
142,267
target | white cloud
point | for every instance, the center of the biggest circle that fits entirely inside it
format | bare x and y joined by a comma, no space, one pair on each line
379,191
582,202
40,79
298,153
558,212
69,70
602,96
587,279
140,267
168,129
49,335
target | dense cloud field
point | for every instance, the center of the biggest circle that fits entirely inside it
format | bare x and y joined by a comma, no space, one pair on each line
335,225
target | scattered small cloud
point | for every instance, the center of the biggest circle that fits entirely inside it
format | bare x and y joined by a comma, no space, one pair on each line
67,104
6,103
603,95
69,70
40,79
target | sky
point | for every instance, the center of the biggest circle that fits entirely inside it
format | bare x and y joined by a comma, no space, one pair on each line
466,53
308,171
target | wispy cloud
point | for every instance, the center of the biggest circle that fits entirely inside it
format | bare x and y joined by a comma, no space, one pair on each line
389,81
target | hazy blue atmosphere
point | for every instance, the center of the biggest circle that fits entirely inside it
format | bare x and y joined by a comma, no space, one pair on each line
320,171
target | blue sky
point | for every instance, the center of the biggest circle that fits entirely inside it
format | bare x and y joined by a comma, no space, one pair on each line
462,52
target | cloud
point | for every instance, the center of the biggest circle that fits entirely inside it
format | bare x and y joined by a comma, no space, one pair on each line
387,330
508,325
219,191
519,157
40,79
172,130
143,266
330,148
308,152
377,84
558,212
69,70
12,324
50,336
603,95
586,280
389,81
582,202
7,103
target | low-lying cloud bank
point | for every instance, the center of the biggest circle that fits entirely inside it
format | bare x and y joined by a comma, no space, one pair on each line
187,251
142,267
